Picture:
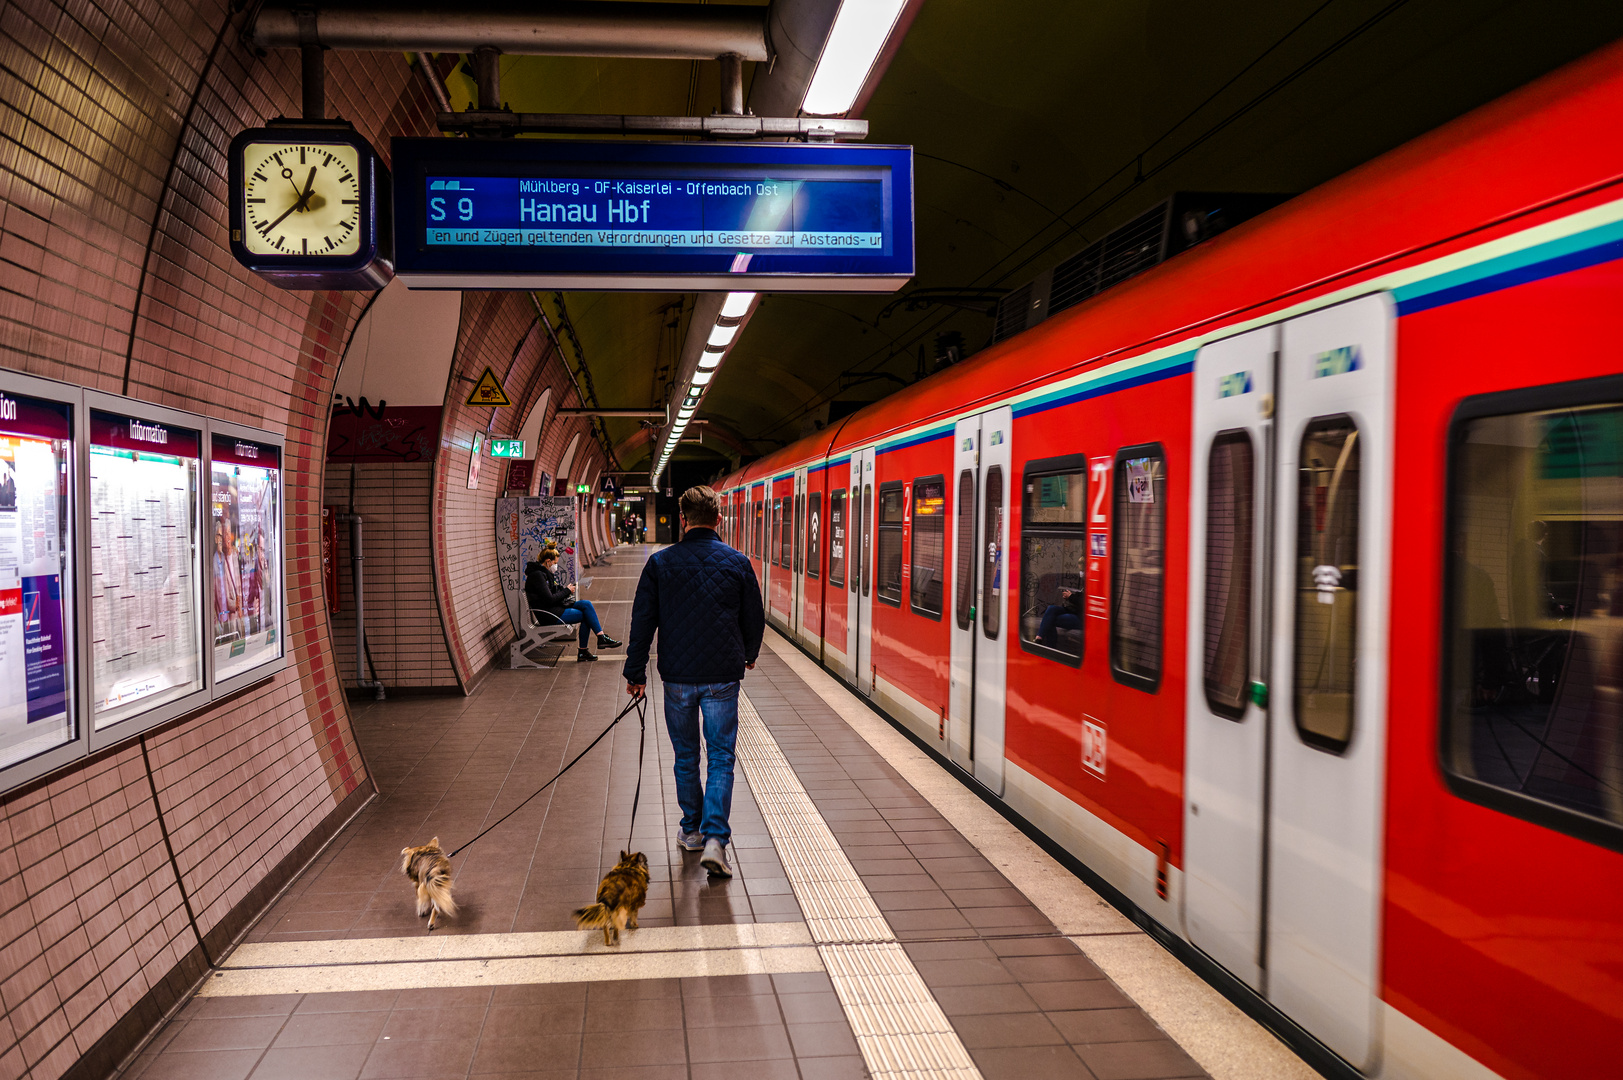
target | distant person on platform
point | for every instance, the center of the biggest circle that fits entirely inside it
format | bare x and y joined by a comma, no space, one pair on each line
544,593
702,597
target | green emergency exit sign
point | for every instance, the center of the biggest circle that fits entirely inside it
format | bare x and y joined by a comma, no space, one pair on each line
509,448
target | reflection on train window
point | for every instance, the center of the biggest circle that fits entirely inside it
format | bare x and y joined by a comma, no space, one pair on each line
1054,562
814,524
798,537
1534,703
867,534
836,539
992,546
1137,558
760,518
929,545
964,562
1327,512
786,533
1230,509
888,574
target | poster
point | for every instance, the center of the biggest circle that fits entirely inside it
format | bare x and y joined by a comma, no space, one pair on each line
245,554
144,581
35,712
523,526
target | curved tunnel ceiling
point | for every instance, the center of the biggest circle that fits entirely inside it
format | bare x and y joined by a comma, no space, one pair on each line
1038,128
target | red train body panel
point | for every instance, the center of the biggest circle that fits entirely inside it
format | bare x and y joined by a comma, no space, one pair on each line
1493,246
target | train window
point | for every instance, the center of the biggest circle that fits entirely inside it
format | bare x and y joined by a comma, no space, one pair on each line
929,545
786,533
1137,558
1053,557
814,522
888,574
992,545
1230,533
1533,638
855,531
1327,512
867,535
775,545
836,539
964,565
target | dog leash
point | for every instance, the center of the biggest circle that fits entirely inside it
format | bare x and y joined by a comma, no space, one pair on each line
640,703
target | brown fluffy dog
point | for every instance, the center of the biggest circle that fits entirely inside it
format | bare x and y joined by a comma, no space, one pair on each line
428,867
621,892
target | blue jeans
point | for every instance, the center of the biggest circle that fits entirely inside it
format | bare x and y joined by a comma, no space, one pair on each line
582,611
706,810
1056,617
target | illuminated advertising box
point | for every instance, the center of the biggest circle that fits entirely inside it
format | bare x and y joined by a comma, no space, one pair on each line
562,214
245,553
145,588
36,673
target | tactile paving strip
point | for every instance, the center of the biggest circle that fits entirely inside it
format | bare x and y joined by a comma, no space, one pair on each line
899,1026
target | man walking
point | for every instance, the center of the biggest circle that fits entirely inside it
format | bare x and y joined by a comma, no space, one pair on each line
702,597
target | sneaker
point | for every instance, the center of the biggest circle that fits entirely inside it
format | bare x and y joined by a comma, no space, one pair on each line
584,657
606,642
714,859
689,841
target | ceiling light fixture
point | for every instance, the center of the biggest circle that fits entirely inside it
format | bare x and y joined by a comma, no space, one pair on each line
860,32
722,336
709,361
700,378
736,304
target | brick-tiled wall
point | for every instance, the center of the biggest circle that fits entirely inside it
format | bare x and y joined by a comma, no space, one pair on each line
114,273
403,629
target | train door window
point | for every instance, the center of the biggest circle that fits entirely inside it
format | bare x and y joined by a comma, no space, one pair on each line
772,534
867,534
1533,694
1327,511
786,536
929,556
1054,557
798,541
1138,554
992,547
964,565
760,529
836,539
1230,533
814,525
888,585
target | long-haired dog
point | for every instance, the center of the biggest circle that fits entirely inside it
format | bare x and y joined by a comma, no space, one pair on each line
430,870
622,891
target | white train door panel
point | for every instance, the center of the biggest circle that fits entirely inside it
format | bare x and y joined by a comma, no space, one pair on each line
1227,734
992,605
965,561
797,580
1328,696
862,490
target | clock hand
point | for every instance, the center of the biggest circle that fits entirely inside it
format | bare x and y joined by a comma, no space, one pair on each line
299,205
278,221
309,185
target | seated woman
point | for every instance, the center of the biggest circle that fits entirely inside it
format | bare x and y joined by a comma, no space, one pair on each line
543,592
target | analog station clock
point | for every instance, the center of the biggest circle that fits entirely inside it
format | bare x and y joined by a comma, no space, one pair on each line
309,206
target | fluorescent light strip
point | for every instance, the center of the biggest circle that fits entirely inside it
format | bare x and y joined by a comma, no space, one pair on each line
860,31
722,336
709,361
701,378
736,304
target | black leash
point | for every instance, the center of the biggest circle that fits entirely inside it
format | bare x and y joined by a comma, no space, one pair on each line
640,703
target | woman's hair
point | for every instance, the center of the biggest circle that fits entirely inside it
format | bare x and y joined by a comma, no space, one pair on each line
548,555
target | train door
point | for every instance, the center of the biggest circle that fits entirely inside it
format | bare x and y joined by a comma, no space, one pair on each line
966,531
797,586
860,637
1315,779
992,602
1227,732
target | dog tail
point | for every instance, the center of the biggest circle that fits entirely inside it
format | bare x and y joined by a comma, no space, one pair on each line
438,886
591,918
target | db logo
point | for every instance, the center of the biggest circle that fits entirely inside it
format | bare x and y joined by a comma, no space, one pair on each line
1093,748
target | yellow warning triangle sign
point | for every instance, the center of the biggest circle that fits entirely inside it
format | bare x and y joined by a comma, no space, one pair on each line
489,392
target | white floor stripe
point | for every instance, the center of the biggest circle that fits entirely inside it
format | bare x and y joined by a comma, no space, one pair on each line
1224,1041
898,1023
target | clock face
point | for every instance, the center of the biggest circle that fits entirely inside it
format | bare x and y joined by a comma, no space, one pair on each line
301,198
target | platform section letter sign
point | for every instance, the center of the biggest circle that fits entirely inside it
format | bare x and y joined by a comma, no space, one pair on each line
35,448
559,214
487,391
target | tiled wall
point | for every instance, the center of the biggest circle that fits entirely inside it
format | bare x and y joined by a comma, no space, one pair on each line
403,627
115,274
499,331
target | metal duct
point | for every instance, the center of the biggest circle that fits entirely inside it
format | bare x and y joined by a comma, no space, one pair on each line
566,28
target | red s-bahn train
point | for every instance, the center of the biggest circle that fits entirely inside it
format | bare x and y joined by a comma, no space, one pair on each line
1282,587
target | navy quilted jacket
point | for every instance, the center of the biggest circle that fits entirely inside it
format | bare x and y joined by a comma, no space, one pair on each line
702,597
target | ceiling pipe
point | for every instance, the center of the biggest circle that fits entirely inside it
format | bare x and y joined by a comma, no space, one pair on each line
608,28
432,82
487,76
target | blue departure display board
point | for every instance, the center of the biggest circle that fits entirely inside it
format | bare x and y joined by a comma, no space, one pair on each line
534,213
